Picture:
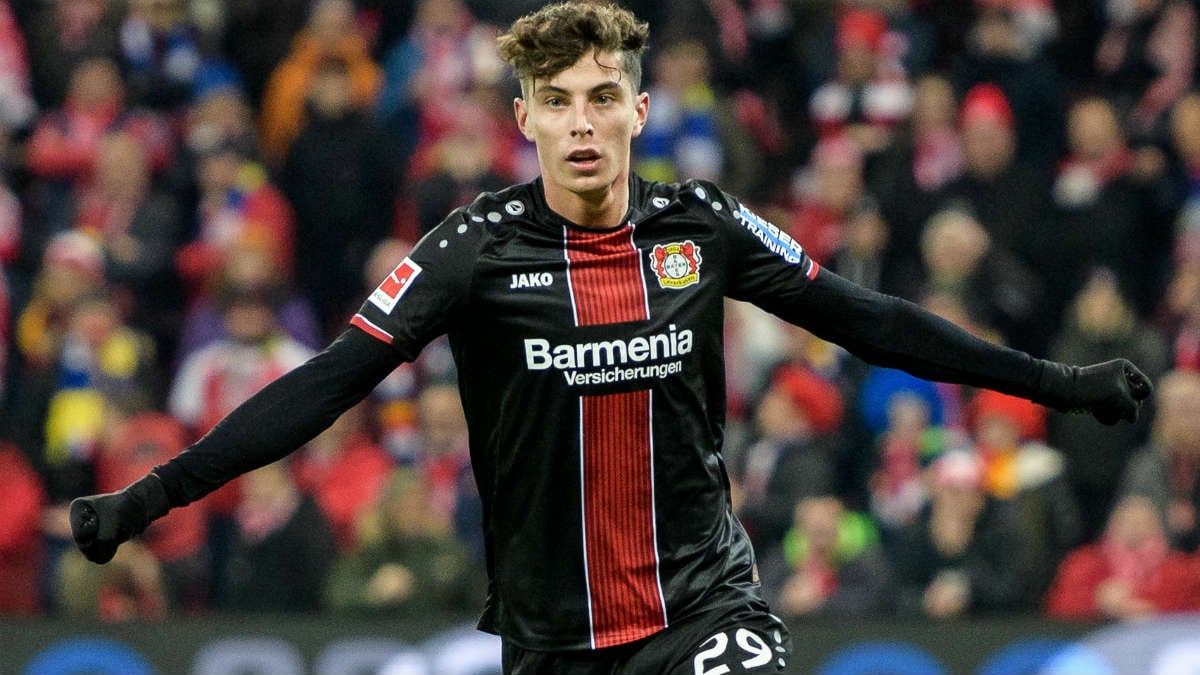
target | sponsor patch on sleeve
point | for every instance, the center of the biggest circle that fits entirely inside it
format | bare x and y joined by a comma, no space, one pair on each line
395,285
774,239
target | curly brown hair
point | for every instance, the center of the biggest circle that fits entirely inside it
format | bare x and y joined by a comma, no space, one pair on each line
550,40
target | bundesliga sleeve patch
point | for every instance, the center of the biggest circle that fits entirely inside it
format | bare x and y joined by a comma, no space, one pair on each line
395,285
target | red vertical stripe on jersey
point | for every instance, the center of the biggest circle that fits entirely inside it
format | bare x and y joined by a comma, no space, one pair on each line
606,277
618,495
625,597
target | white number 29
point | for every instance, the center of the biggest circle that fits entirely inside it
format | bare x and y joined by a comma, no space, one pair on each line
747,640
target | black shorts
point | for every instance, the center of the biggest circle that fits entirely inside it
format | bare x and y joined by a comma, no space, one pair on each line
727,642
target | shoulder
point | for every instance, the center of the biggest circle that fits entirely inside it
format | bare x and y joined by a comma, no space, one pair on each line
491,218
515,201
699,199
691,192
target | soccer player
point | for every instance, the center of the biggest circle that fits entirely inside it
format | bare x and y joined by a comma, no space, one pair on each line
584,310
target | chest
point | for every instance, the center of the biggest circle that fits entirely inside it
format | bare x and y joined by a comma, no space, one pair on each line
637,277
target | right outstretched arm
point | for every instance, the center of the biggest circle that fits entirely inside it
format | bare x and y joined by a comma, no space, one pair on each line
285,415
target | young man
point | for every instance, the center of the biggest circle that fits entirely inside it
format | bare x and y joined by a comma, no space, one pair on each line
585,314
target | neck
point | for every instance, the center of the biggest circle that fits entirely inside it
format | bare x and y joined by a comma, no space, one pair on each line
602,209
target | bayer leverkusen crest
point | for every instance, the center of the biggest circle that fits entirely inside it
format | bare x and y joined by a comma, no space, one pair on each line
676,265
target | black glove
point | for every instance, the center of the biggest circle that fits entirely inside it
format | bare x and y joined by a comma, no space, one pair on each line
1110,391
101,523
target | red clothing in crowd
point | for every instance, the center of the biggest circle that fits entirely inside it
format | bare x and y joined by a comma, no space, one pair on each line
142,443
20,533
345,485
63,144
1171,585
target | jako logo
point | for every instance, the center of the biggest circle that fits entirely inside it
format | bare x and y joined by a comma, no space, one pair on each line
535,280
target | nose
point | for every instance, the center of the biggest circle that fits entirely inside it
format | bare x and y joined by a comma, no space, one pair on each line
581,123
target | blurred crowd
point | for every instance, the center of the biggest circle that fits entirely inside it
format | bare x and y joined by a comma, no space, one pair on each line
195,195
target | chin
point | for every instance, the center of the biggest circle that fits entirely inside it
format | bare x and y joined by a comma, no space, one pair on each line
588,185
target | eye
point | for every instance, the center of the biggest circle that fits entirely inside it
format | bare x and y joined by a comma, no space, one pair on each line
554,101
605,99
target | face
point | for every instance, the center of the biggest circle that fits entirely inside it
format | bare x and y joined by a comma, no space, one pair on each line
1185,128
988,146
583,121
820,518
1093,129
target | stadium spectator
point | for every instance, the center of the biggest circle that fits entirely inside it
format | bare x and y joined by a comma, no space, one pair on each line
1010,199
409,563
445,457
237,201
829,564
1130,573
344,470
283,550
217,110
686,139
223,373
1101,322
1103,215
329,31
250,262
62,149
903,417
1006,49
59,34
103,363
963,554
445,54
869,96
1009,435
959,258
71,266
826,194
794,455
161,53
463,163
1146,58
216,378
925,154
139,226
341,176
17,107
1167,469
21,563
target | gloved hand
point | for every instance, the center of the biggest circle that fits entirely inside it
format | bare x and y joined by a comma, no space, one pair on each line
1110,391
101,523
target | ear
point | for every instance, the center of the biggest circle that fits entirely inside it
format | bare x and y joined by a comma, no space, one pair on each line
641,109
522,114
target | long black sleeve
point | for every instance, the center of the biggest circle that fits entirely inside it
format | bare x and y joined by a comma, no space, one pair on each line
891,332
280,418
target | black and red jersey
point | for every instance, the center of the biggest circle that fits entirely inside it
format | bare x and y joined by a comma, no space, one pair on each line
592,374
591,369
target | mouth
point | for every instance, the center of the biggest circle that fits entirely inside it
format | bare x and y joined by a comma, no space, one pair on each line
584,159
